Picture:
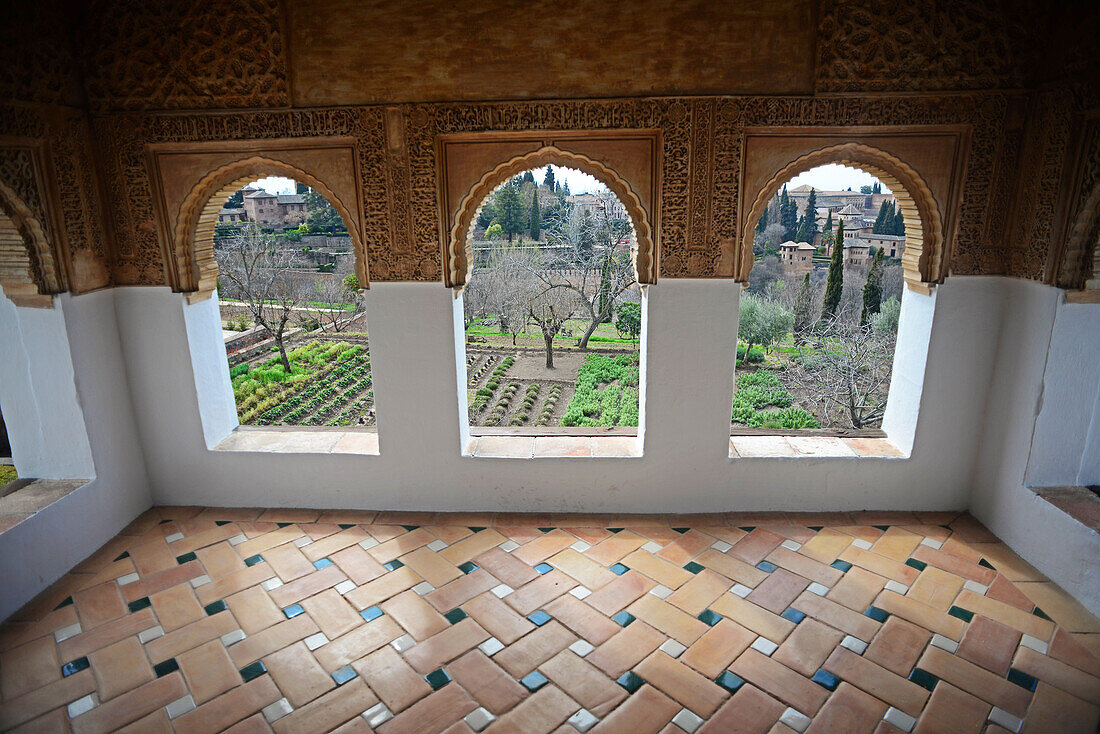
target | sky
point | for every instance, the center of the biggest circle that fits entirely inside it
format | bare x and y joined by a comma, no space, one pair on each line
579,183
834,177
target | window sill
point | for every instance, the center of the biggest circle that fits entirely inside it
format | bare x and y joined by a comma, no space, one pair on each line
554,447
1080,503
294,440
32,496
797,447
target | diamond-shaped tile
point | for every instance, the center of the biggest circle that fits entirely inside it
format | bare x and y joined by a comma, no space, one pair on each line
293,611
900,719
508,546
631,681
825,679
672,648
580,592
730,681
467,567
377,715
502,590
371,613
533,681
479,718
709,617
764,645
343,675
653,547
661,591
580,546
437,678
693,567
582,721
623,618
491,646
721,546
793,615
538,618
437,545
403,643
687,720
582,647
544,568
618,569
456,615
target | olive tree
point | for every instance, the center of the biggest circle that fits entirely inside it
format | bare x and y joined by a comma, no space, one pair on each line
761,322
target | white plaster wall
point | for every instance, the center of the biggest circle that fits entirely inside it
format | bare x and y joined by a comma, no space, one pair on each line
1056,544
100,421
211,368
686,468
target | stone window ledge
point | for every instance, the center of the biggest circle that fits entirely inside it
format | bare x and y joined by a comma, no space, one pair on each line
31,496
554,447
796,447
1080,503
294,440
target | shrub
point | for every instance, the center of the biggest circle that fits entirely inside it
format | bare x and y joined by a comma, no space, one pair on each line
755,356
759,378
797,418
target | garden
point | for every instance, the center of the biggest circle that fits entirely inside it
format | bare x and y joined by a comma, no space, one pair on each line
329,384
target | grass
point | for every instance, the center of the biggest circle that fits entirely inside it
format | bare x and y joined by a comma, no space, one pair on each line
7,474
604,333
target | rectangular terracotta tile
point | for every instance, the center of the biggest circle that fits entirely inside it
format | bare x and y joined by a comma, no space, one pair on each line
953,564
299,589
657,569
487,682
54,721
780,681
254,724
698,593
584,683
506,568
289,562
377,591
150,584
229,708
539,549
1058,674
587,572
804,566
871,677
661,615
645,712
897,544
826,546
686,547
434,713
1054,710
1004,590
298,674
936,588
254,610
776,592
961,549
541,712
332,613
176,606
975,680
749,711
84,643
190,636
270,539
152,556
539,592
1007,562
897,645
755,618
417,616
13,634
461,590
808,646
329,711
921,615
582,619
399,546
131,706
361,641
391,679
881,565
234,582
473,546
1069,649
857,589
730,567
1006,614
31,665
335,542
755,546
273,638
284,514
615,548
626,649
953,710
849,710
208,671
681,683
619,593
192,543
358,565
119,668
1061,607
431,567
30,705
444,647
527,653
99,604
220,559
989,644
501,621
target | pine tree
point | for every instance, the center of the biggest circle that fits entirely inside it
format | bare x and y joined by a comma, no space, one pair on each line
898,223
509,210
834,283
565,189
548,179
872,289
803,306
536,223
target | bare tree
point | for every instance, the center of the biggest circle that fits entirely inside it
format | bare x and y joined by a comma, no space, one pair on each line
550,307
329,306
849,370
258,271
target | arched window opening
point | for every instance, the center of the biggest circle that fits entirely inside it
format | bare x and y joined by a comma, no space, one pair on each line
552,308
818,322
292,308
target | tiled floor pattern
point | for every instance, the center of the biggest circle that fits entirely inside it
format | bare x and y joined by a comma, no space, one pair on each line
206,620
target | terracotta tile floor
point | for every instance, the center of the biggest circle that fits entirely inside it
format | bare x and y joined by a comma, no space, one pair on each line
206,620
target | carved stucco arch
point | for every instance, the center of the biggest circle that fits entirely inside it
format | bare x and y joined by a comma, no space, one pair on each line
28,269
924,262
458,255
1081,262
193,234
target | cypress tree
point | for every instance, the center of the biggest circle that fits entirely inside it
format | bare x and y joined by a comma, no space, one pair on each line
872,289
834,284
803,306
804,233
548,179
529,176
884,220
898,224
788,215
536,223
811,211
877,188
509,210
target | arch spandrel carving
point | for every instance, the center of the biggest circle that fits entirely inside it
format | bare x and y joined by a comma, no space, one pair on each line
29,275
924,263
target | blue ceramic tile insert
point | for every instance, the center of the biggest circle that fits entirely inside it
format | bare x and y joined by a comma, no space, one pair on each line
411,528
879,615
618,569
924,679
538,618
468,567
883,528
455,616
476,528
623,618
766,566
793,615
748,528
215,607
253,671
631,681
544,568
545,530
437,678
284,524
393,565
826,679
253,560
138,604
614,530
186,558
681,531
816,528
964,614
730,681
219,523
74,667
322,563
533,681
293,611
842,566
344,674
987,564
914,563
346,525
125,554
371,613
693,567
1022,679
709,617
168,666
65,602
1041,614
